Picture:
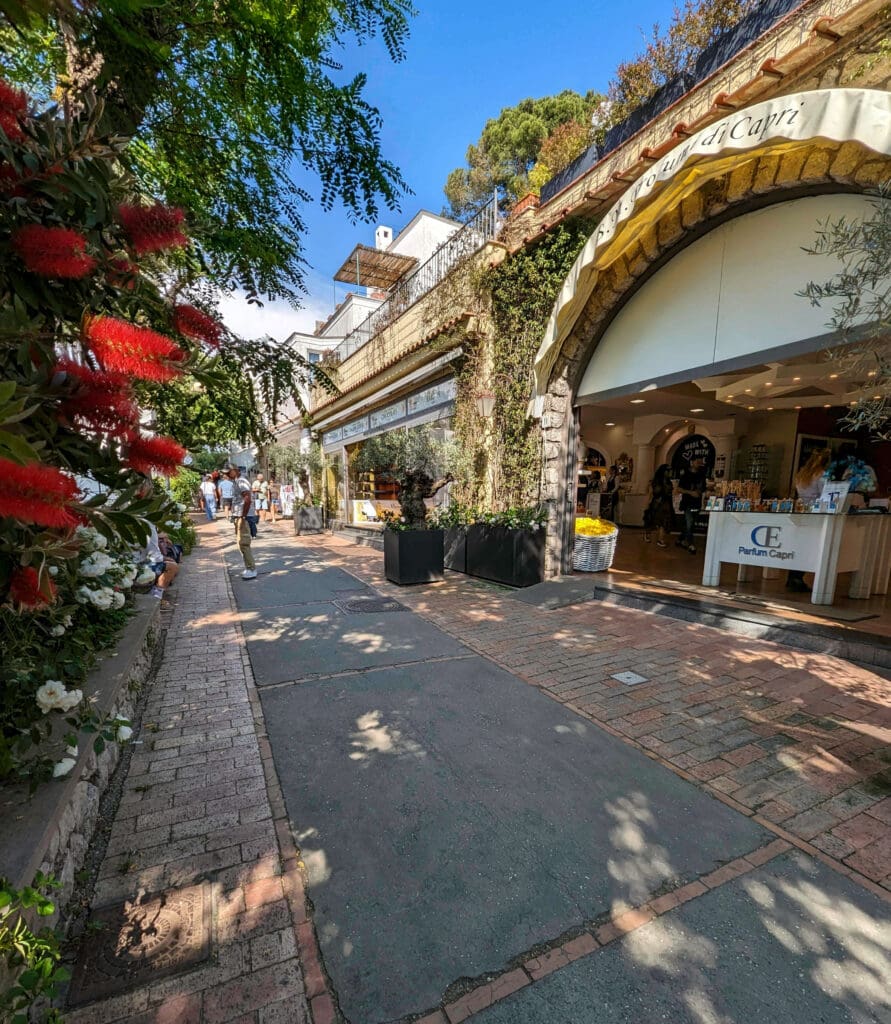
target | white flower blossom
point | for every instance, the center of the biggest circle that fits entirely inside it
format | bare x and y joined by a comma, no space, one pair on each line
51,695
117,599
72,751
63,767
66,622
96,564
58,630
172,523
71,699
54,570
124,733
180,506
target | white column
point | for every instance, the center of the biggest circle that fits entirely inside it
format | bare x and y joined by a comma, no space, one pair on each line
644,467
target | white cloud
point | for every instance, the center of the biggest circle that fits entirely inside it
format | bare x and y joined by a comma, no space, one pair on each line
277,319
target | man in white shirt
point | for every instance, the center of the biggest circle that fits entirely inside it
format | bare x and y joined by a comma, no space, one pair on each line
244,507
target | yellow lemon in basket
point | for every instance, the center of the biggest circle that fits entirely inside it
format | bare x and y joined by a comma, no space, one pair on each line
588,527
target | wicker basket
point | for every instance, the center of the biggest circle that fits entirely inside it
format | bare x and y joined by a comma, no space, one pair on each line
594,554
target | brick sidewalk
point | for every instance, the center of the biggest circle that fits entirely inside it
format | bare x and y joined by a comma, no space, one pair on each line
802,741
195,811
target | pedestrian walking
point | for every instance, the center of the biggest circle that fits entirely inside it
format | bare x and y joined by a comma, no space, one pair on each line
209,495
274,495
244,509
659,513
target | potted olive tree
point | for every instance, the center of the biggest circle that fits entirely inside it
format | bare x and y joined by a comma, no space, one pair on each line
415,461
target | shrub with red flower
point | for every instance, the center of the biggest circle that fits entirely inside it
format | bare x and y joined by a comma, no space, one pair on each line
101,402
13,110
193,323
148,454
53,252
137,351
36,494
152,228
29,591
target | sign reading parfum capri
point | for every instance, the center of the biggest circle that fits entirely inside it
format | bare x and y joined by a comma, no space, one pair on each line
767,543
783,124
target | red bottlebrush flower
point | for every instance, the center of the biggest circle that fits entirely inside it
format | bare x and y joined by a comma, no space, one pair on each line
145,454
192,323
36,494
52,252
13,108
101,402
29,591
136,351
151,228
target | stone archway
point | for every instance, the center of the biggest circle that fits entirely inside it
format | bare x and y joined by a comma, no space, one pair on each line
757,179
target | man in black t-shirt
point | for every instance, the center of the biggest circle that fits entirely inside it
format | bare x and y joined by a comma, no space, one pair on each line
691,485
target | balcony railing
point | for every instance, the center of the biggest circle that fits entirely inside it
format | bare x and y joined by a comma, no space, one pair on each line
483,228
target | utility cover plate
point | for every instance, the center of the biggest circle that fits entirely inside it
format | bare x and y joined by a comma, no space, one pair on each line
629,678
368,605
133,943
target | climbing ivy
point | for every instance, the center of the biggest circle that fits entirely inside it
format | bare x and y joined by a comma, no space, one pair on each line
502,460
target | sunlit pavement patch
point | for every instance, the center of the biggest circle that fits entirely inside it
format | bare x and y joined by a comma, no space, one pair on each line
452,817
792,941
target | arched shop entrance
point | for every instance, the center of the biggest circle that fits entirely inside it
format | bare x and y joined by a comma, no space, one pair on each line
681,327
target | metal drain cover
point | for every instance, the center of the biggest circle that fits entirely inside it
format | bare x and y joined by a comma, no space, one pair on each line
142,941
368,605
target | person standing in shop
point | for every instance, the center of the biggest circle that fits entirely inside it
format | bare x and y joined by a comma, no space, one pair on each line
244,509
809,481
691,485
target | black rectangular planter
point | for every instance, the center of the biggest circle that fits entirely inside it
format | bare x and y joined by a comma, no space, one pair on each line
455,548
503,555
308,519
413,556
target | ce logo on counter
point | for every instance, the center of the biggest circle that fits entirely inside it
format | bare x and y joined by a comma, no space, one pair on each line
767,536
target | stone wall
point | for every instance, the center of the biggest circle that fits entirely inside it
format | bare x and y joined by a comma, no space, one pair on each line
51,830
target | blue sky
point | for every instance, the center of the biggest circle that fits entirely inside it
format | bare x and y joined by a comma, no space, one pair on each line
465,61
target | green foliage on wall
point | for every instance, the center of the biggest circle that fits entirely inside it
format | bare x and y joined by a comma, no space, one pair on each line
502,459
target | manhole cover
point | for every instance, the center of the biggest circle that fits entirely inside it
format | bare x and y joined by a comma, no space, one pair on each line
131,944
366,605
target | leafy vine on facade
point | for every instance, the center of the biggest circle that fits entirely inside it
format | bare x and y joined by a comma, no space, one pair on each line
502,456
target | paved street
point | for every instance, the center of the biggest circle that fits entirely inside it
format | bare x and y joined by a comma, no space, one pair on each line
706,841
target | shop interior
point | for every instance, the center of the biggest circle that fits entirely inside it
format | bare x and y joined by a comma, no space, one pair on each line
754,429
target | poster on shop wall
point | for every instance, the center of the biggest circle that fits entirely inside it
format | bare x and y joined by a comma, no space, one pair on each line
693,447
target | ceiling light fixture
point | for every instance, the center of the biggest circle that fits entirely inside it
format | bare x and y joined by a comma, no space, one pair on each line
827,406
797,406
751,408
833,376
796,378
768,384
609,424
697,410
638,401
